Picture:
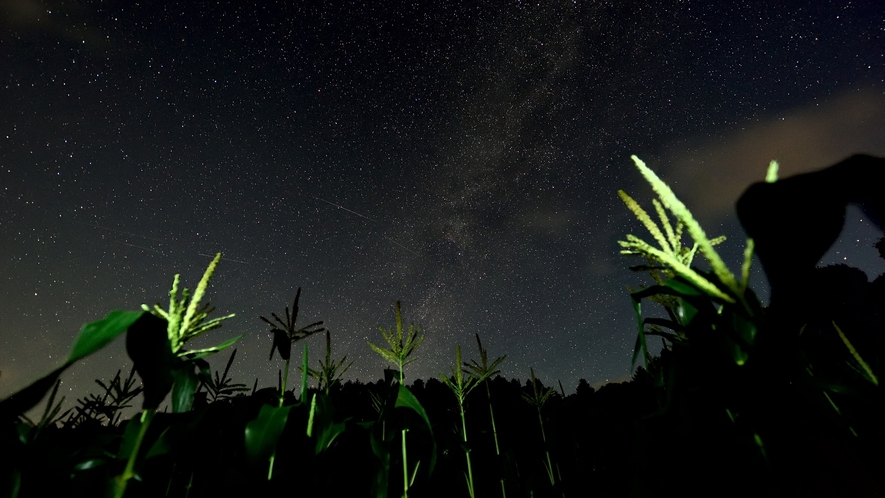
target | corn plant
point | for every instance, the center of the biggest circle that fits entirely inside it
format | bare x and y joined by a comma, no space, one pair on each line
221,386
321,423
483,370
92,337
155,343
401,346
262,434
680,284
725,354
107,407
285,333
461,388
538,399
330,372
714,320
49,418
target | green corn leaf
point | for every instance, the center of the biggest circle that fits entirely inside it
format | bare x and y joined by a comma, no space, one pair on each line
328,435
28,397
195,354
866,368
325,428
130,435
414,474
185,383
262,434
162,446
680,268
93,336
686,311
683,288
313,409
405,399
96,335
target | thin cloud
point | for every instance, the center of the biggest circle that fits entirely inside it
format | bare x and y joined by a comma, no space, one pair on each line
711,177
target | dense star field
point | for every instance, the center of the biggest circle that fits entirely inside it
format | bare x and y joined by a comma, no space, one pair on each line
462,158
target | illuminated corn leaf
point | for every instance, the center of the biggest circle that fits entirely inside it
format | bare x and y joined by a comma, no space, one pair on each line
186,381
405,399
196,354
262,434
96,335
324,426
867,371
92,337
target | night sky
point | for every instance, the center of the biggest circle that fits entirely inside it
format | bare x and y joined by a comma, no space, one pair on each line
460,157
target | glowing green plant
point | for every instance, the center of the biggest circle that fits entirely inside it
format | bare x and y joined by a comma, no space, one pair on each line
162,362
865,369
461,387
680,280
263,433
671,253
186,320
401,347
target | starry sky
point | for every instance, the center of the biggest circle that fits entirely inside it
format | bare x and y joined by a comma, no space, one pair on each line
461,157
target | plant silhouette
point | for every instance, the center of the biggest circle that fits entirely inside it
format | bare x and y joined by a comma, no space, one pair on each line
795,221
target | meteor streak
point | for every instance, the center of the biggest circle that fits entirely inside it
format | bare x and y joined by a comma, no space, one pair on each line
139,247
224,259
370,219
344,208
404,247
